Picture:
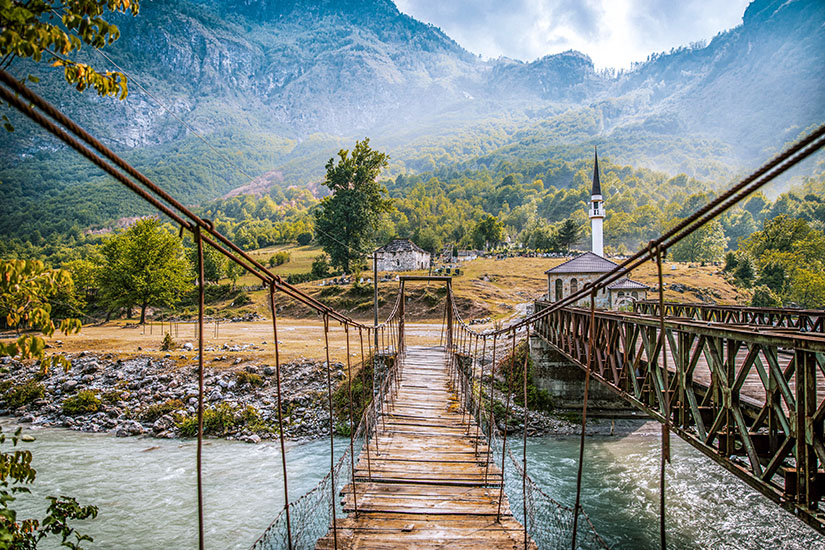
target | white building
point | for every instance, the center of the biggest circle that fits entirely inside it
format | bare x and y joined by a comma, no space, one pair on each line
402,255
571,276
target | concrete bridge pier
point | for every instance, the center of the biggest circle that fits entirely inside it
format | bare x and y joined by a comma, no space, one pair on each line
564,381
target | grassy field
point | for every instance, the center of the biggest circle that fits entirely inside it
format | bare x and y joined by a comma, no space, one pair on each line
487,288
300,260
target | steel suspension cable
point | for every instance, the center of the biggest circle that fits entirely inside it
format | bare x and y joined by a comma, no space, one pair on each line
509,376
199,459
665,455
274,309
524,440
177,212
331,433
351,426
577,507
785,160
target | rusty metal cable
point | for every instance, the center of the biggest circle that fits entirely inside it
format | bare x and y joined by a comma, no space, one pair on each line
274,309
524,440
176,212
199,459
351,425
480,390
665,397
490,417
779,164
331,431
509,376
592,327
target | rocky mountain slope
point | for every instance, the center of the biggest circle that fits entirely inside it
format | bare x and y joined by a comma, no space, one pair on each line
282,85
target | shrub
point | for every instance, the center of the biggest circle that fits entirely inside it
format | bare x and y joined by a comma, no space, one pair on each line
765,297
296,278
23,394
218,421
153,412
244,378
167,343
83,402
112,397
242,300
304,238
320,267
279,258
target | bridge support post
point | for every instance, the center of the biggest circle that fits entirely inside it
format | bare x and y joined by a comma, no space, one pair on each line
401,343
449,316
806,462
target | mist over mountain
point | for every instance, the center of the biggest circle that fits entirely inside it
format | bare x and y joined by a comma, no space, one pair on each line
281,85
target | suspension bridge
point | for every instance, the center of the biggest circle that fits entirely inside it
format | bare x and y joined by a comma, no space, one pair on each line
426,464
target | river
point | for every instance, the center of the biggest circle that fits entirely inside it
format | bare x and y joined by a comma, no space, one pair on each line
145,490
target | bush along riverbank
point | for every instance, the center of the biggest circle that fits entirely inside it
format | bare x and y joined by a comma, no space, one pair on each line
155,397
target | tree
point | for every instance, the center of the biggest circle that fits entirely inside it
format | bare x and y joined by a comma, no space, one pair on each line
144,266
706,244
567,234
347,220
807,288
488,232
25,288
30,29
234,272
764,297
320,267
774,276
214,263
744,272
304,238
779,233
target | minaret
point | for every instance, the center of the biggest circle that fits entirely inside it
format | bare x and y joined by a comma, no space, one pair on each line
597,211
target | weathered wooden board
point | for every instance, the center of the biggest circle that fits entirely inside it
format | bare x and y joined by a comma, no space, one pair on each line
427,483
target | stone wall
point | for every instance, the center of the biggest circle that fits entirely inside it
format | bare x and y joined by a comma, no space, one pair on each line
403,261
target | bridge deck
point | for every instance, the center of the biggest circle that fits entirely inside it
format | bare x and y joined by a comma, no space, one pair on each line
427,487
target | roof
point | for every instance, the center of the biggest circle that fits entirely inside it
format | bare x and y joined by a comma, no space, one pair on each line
401,245
585,263
627,284
597,187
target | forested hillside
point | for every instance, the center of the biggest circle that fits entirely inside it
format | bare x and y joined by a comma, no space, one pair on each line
278,88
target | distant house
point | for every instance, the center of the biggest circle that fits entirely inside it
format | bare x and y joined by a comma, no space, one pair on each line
402,255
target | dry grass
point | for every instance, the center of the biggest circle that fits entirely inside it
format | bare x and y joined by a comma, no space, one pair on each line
298,339
300,261
486,288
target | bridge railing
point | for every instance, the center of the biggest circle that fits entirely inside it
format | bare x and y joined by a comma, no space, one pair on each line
803,320
752,399
479,362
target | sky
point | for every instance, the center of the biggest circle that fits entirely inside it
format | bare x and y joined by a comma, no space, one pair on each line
614,33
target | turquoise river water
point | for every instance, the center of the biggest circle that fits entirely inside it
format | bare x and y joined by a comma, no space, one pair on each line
145,490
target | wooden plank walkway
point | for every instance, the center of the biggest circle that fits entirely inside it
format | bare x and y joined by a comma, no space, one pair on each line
427,487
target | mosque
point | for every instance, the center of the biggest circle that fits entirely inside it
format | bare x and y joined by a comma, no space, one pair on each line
570,276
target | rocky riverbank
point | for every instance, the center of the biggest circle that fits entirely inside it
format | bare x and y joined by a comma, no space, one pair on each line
158,397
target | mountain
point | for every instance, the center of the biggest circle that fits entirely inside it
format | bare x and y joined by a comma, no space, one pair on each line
281,85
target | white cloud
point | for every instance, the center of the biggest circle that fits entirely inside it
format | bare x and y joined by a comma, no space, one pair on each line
614,33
